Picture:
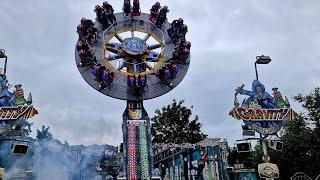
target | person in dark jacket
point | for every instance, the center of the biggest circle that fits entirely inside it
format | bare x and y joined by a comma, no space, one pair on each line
108,9
127,7
101,17
136,8
162,16
154,12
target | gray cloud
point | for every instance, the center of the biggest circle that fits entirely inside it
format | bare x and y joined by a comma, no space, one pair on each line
39,37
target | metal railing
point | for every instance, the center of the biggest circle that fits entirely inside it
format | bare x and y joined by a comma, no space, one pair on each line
134,24
300,176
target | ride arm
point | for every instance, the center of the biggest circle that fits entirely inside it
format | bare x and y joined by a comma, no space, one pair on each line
240,90
248,93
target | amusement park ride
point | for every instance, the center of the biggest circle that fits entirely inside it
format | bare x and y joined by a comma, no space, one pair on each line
133,56
14,112
264,114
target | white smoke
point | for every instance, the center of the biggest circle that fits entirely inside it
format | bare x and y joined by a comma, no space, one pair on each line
53,160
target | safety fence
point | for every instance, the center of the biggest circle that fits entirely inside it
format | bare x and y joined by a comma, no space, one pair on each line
302,176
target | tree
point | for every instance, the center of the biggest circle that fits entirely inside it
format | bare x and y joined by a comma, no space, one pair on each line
301,141
173,124
311,103
311,117
44,134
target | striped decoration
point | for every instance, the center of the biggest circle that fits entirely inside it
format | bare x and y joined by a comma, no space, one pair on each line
17,112
19,93
143,153
132,152
31,112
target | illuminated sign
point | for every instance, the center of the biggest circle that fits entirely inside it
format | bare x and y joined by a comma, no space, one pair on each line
18,112
137,122
19,173
135,114
263,112
132,152
269,130
253,114
2,171
268,170
144,158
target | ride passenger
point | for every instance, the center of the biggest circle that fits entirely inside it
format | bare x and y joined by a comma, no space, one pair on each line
172,29
167,73
154,12
173,70
105,79
128,81
132,81
182,33
136,8
162,16
101,17
108,9
142,81
127,7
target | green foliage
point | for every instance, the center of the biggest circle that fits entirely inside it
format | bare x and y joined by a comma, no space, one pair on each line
301,141
44,134
173,124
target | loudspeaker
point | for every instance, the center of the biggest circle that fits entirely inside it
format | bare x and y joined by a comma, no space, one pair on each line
247,131
244,147
19,147
276,145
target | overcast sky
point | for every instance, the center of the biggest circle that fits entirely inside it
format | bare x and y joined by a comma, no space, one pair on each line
39,37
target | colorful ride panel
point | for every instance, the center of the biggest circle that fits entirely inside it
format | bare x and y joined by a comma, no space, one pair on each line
264,113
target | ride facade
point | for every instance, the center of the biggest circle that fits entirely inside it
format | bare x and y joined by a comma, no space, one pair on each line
133,56
265,114
15,110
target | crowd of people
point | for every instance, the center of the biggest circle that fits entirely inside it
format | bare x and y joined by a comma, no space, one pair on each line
137,83
167,73
87,31
105,15
103,75
182,52
87,34
85,54
178,31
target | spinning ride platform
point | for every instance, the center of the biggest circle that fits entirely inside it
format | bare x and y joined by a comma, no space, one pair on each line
128,55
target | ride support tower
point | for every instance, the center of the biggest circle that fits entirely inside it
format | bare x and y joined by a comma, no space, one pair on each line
133,56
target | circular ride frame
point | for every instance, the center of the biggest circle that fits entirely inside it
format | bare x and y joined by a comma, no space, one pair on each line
103,53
